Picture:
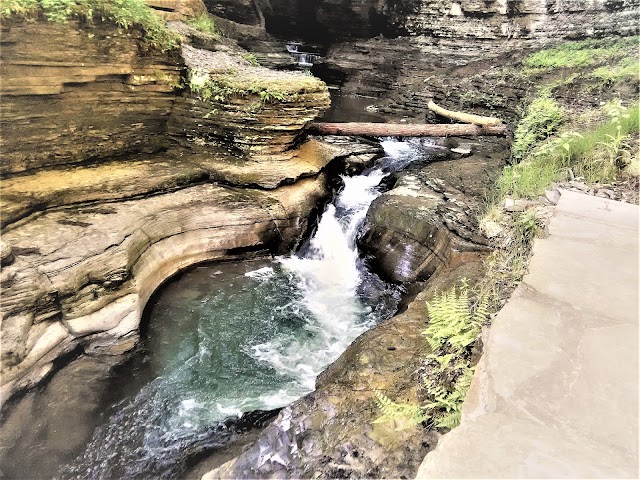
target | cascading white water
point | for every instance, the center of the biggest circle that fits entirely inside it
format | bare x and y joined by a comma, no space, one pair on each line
329,274
254,341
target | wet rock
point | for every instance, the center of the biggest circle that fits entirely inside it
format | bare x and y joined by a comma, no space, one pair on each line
425,220
463,151
92,270
331,433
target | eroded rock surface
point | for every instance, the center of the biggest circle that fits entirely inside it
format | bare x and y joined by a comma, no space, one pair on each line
429,215
74,92
100,205
83,275
250,109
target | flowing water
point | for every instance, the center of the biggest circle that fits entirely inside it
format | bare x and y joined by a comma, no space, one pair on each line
227,339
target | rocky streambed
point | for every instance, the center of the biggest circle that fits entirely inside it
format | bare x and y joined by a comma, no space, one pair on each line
120,170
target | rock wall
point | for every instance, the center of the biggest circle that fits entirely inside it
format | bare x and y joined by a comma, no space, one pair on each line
249,109
331,21
101,205
74,92
82,276
505,19
428,219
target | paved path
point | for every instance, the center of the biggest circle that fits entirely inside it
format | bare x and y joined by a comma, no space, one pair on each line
556,392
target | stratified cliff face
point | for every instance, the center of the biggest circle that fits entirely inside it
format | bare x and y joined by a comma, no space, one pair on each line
506,19
328,21
250,109
72,93
102,201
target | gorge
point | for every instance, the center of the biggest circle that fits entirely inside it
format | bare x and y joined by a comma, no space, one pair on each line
125,164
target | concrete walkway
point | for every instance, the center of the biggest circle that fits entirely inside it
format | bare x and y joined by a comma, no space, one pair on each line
556,392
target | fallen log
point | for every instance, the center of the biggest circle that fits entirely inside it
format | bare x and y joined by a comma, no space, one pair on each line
405,130
463,117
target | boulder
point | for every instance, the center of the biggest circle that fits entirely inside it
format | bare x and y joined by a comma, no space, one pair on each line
430,215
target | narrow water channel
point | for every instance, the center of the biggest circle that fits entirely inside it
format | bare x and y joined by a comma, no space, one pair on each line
220,341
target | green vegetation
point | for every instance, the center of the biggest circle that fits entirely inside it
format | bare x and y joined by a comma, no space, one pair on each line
124,13
542,118
580,54
404,415
454,324
281,88
251,58
205,24
626,69
598,154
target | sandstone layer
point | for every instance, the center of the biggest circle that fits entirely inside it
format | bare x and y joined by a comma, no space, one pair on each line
249,109
73,92
100,205
83,275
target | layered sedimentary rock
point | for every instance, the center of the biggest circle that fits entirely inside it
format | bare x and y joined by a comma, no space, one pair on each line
83,275
100,205
177,9
249,109
331,21
74,92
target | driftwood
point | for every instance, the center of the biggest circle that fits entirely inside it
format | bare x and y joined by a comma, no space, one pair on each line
463,117
405,130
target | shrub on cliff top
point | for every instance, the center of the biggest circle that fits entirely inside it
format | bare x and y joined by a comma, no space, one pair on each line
205,24
124,13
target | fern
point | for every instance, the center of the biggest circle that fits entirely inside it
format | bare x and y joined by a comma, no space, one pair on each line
408,414
451,325
449,420
454,325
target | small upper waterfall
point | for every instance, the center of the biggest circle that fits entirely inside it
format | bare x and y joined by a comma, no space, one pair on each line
303,60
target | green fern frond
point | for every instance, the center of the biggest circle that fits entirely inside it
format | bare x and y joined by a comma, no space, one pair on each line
408,414
450,420
454,325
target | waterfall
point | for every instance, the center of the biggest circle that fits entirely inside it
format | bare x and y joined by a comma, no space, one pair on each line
304,60
254,340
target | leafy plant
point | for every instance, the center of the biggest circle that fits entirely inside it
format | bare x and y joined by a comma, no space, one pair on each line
205,24
251,58
542,118
454,324
405,415
124,13
452,327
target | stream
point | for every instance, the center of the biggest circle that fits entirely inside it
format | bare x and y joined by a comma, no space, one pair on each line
219,341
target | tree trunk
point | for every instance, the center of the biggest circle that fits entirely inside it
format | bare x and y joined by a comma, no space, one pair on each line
463,117
405,130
